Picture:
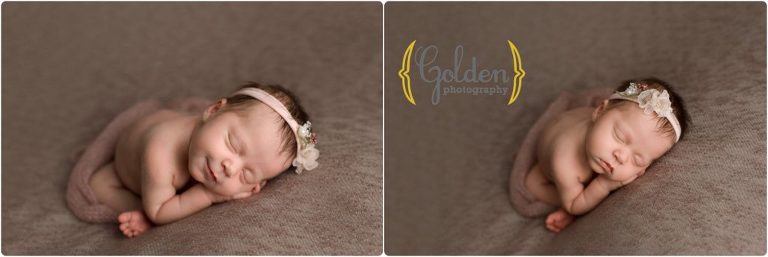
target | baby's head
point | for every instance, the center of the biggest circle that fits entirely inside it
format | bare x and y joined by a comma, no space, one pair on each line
625,138
250,137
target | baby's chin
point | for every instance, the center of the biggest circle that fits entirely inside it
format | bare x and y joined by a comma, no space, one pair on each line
595,168
196,177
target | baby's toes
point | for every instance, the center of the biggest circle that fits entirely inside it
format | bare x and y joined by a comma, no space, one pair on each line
141,224
133,222
559,223
140,228
551,227
551,219
563,223
124,217
566,220
124,227
127,232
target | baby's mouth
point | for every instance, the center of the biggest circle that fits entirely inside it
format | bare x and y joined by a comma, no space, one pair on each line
210,172
609,168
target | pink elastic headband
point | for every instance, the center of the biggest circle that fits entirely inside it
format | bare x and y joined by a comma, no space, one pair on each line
306,153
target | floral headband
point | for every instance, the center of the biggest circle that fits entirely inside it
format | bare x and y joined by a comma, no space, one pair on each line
651,100
306,153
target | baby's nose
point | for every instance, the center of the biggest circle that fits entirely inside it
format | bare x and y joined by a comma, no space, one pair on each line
227,165
619,156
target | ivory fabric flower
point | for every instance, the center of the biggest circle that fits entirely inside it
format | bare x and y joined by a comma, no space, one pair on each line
632,90
310,155
654,101
304,129
306,158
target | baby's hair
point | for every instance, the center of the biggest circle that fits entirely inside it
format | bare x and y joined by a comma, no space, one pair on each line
678,106
288,99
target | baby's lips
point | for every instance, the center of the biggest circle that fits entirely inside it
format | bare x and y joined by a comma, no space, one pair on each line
607,166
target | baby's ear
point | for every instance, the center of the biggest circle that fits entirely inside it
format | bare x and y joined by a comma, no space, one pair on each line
215,107
600,108
260,186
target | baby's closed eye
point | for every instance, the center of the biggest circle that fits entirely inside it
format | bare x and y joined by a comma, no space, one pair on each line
616,135
230,143
639,161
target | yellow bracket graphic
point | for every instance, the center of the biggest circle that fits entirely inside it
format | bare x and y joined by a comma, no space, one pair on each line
517,67
403,73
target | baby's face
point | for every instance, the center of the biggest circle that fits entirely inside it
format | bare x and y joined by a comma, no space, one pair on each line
623,141
234,154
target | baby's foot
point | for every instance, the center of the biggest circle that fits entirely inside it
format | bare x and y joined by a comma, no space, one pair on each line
133,223
558,220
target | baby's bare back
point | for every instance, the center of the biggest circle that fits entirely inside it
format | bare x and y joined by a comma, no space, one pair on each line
134,142
561,144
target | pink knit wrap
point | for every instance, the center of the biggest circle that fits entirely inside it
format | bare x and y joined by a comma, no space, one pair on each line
81,200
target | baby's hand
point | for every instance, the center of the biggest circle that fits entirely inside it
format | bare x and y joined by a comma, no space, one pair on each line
218,198
611,185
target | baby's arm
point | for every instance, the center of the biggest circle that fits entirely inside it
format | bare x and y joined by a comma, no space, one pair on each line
578,200
162,205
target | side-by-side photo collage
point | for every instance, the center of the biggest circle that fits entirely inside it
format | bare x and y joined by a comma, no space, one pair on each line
383,128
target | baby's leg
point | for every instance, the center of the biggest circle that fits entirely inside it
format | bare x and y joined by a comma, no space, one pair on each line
110,191
541,188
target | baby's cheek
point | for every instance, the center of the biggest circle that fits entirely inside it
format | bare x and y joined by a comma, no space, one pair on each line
642,171
594,144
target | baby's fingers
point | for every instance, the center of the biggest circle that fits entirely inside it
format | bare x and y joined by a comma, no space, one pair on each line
242,195
623,183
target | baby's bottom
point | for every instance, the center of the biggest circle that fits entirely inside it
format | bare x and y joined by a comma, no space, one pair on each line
111,192
546,191
541,188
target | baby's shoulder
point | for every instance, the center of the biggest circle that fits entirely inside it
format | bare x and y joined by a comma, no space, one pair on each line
568,160
573,115
163,141
568,167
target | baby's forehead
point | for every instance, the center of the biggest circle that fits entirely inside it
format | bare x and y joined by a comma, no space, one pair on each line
257,115
633,121
262,126
258,124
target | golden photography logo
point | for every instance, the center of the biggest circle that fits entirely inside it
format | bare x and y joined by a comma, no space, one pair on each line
454,80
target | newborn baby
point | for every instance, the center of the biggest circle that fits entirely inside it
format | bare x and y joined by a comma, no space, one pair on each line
585,153
170,164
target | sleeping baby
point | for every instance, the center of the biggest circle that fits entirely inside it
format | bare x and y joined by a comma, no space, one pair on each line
171,164
585,153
